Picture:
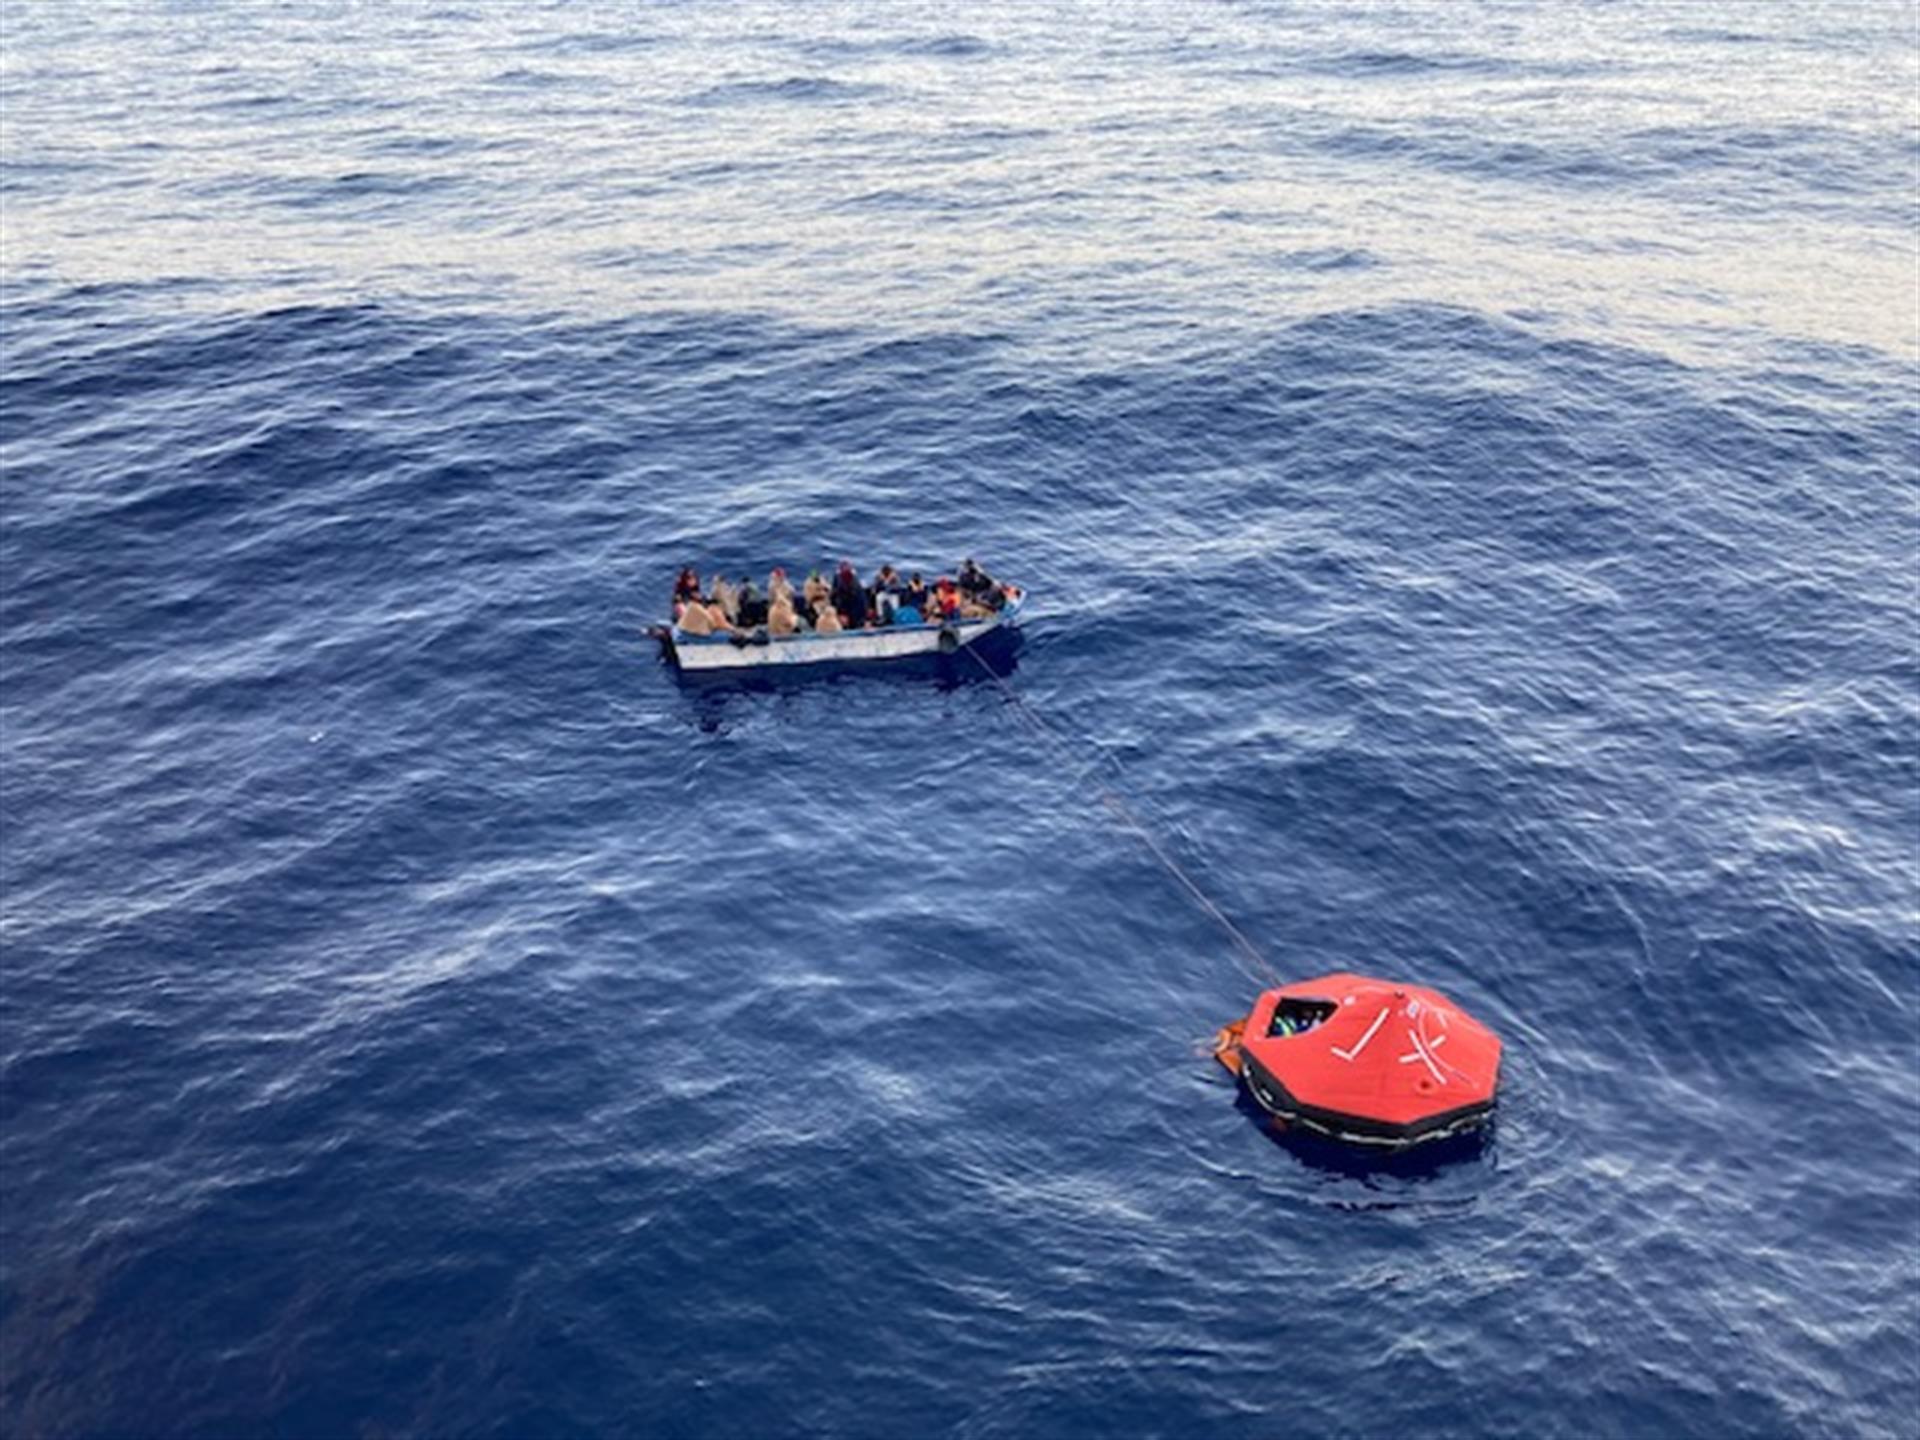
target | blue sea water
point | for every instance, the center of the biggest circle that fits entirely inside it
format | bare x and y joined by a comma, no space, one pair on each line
1465,460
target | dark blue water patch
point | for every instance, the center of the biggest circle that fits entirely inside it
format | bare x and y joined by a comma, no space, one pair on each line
711,171
520,77
955,46
369,190
1755,168
374,892
1470,152
106,306
594,43
1385,67
1400,63
921,201
1325,259
964,144
255,100
705,260
280,106
944,47
1705,35
43,174
793,90
1796,158
1403,65
122,362
1628,245
385,142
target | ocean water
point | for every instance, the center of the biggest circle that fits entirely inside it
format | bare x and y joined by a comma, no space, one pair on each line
1465,460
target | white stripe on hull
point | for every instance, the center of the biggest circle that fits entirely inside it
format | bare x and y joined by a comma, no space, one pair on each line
810,649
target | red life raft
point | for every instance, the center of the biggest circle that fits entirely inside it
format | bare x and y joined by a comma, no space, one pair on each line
1366,1061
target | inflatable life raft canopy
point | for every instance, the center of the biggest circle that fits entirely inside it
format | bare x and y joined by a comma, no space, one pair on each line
1372,1062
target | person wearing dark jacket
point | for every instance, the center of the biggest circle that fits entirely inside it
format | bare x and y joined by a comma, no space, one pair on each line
850,598
974,582
750,604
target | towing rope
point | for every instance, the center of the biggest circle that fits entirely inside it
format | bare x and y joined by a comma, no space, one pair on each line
1261,972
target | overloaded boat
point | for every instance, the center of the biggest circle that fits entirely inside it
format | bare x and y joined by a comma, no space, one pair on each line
745,648
1370,1062
718,626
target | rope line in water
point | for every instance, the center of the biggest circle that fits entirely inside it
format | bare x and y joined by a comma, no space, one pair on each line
1261,972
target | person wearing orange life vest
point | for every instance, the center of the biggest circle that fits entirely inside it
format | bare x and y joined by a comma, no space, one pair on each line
946,600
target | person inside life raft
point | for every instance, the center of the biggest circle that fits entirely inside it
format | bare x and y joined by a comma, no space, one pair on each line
1296,1017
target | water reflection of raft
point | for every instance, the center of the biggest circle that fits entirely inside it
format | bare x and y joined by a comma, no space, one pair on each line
888,642
1365,1061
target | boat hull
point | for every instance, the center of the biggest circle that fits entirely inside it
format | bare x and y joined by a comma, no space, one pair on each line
731,652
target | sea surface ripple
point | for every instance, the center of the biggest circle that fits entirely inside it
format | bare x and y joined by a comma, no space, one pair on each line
1466,464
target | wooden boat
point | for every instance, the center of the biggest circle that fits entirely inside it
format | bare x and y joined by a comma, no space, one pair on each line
751,649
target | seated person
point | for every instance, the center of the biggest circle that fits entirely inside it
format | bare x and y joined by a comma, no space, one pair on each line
778,585
886,593
780,617
850,598
703,617
815,590
1296,1017
975,583
690,617
826,620
750,604
724,595
916,594
686,585
946,600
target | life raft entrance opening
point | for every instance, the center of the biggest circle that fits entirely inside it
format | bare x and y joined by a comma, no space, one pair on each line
1296,1017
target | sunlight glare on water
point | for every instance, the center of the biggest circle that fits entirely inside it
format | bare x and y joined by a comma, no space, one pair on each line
1640,171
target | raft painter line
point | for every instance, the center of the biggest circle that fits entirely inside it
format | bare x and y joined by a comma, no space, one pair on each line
1262,971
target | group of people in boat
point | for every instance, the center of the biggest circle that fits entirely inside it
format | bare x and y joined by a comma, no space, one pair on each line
828,607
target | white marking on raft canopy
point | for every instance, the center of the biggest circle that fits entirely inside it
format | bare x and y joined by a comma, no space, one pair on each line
1419,1053
1378,1020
